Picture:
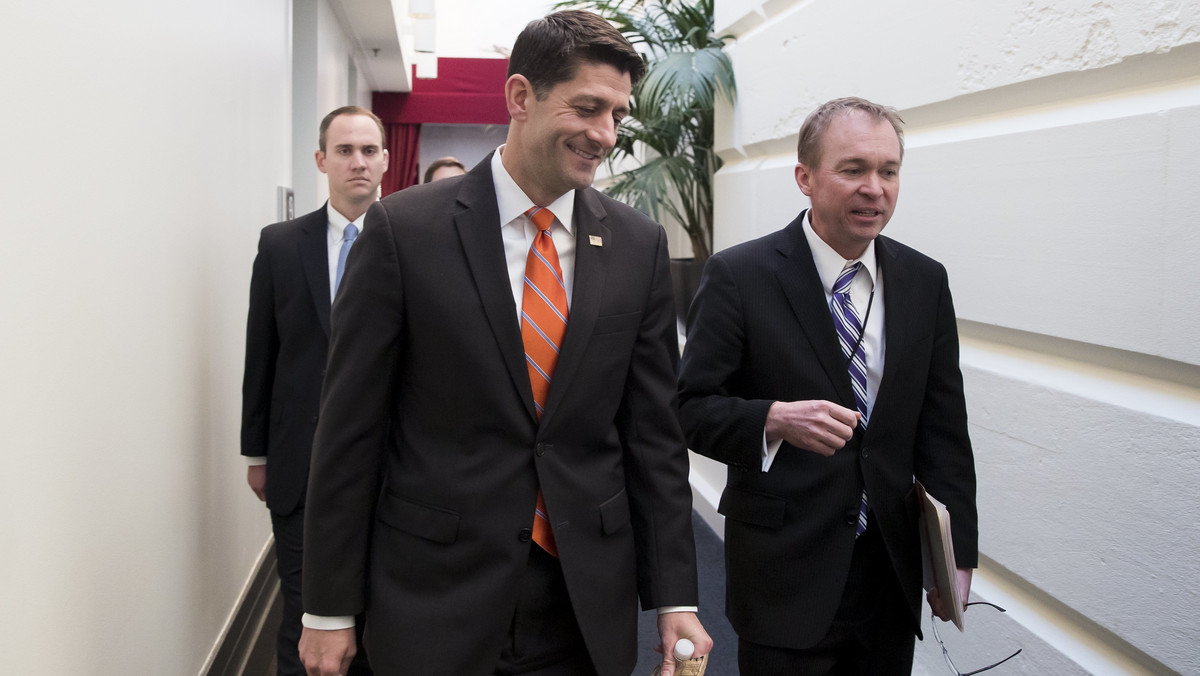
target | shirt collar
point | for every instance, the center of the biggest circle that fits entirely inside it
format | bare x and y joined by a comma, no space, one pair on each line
512,202
829,262
338,222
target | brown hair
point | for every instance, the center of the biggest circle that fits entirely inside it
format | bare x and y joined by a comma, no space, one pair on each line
550,49
350,110
808,149
442,162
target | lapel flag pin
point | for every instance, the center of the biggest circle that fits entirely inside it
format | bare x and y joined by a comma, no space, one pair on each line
595,240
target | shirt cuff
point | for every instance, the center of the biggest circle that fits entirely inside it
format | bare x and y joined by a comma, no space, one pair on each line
678,609
769,450
327,623
253,460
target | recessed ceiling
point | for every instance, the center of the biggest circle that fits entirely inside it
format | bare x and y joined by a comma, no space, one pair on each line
375,27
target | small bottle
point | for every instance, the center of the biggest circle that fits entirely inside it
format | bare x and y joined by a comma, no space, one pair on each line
685,664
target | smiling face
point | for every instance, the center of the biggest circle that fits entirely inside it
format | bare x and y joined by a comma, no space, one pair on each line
854,188
354,161
557,141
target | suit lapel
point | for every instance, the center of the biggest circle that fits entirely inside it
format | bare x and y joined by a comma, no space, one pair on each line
477,220
591,269
897,303
314,255
797,274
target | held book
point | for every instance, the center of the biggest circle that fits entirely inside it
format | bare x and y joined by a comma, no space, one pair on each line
693,666
937,553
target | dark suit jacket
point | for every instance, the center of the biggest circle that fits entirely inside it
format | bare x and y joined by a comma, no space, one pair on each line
426,340
760,331
287,337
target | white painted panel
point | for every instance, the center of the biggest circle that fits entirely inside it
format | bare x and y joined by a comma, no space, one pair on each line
1065,231
754,198
1180,332
909,54
1087,486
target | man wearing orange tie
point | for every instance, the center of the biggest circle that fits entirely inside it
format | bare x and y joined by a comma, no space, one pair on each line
498,474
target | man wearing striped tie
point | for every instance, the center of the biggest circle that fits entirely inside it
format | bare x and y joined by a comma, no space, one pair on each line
499,474
822,367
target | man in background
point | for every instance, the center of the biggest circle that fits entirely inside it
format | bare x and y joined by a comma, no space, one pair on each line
296,274
822,367
444,167
503,367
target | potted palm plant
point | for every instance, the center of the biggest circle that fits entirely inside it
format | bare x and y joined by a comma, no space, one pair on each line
668,136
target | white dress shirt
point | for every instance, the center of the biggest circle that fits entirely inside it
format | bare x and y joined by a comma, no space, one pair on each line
518,230
829,265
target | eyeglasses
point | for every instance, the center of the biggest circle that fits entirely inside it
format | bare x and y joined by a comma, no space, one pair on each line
946,653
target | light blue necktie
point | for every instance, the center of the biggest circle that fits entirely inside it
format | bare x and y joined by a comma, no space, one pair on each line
348,237
850,334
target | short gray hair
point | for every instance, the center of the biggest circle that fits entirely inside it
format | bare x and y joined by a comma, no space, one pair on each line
812,132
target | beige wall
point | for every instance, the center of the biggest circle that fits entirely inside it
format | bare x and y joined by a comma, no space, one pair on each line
144,144
1052,161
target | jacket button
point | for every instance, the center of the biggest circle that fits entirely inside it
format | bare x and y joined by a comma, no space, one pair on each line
525,535
851,518
865,452
543,449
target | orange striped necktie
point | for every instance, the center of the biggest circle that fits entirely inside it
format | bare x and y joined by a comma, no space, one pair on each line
543,324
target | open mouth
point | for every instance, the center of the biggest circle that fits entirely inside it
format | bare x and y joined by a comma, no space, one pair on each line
591,157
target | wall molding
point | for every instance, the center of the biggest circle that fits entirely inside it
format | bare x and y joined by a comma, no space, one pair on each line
247,644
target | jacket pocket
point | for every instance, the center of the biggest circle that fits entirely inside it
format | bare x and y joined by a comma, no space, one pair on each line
628,321
423,521
756,509
614,513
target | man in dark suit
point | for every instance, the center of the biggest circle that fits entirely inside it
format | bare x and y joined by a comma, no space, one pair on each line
822,367
287,338
456,401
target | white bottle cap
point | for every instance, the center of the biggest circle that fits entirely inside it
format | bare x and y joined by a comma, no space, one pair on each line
684,649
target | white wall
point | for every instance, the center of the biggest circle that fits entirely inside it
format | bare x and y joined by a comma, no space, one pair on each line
144,145
321,69
1052,161
470,143
472,29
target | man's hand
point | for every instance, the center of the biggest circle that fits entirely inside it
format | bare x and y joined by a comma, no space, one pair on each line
674,626
327,653
256,476
943,611
818,426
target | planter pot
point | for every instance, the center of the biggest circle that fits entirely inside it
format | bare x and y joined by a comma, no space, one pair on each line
685,279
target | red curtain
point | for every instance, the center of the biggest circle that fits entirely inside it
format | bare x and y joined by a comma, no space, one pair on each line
466,91
403,146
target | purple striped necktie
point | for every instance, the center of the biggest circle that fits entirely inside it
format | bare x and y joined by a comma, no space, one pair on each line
850,337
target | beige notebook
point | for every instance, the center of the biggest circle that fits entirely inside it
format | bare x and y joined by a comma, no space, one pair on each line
937,553
690,667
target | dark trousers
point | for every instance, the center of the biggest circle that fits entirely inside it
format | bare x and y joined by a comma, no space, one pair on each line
871,635
289,551
544,639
